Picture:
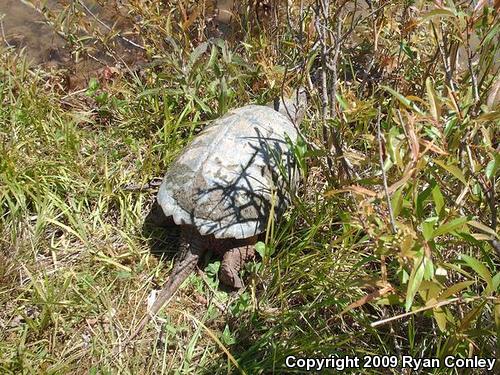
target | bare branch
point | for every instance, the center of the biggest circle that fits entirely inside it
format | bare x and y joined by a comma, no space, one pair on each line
384,177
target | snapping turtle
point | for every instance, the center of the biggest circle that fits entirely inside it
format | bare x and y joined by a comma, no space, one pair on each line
224,186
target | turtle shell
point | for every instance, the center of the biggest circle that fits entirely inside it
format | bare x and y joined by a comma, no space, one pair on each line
233,175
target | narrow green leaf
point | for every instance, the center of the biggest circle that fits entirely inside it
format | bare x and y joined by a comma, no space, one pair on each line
197,53
213,56
440,317
403,100
442,12
453,169
449,226
471,316
484,228
492,34
428,228
454,289
66,228
416,276
479,268
492,167
496,281
438,199
149,92
397,201
421,199
342,101
434,102
428,269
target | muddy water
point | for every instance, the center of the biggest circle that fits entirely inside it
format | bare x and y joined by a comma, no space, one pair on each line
24,26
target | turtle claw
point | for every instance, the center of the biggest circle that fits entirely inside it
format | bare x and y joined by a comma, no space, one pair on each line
230,278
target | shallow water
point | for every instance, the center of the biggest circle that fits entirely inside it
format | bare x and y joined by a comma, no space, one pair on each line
24,27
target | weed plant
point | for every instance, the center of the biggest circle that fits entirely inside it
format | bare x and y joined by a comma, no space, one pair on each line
390,248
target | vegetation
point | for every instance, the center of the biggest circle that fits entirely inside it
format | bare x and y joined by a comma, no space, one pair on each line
391,246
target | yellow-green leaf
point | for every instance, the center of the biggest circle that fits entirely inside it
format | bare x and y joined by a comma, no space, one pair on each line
449,226
440,316
416,276
65,227
480,269
453,169
482,227
434,102
442,12
403,100
454,289
438,199
496,281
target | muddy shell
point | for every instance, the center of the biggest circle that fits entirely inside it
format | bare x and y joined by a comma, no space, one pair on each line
233,175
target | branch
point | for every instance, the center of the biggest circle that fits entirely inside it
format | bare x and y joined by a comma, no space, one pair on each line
384,177
434,306
109,28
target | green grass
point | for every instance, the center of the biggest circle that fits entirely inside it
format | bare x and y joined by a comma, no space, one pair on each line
75,262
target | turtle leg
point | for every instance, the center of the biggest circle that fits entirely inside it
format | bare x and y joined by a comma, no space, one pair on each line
232,262
191,249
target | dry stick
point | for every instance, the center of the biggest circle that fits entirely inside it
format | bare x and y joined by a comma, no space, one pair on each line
445,58
493,208
337,143
475,89
447,69
305,35
153,184
362,19
107,27
384,177
311,144
367,70
434,306
449,80
320,29
3,33
322,14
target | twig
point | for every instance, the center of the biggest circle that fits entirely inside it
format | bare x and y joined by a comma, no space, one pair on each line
320,29
384,177
153,184
331,137
434,306
311,144
367,70
337,142
475,88
3,33
47,20
109,28
362,19
74,93
493,206
445,58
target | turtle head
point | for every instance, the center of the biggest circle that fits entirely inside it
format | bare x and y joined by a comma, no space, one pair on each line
293,107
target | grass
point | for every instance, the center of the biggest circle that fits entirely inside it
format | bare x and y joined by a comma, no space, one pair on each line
75,262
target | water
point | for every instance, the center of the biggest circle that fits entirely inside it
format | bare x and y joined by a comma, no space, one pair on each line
24,27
